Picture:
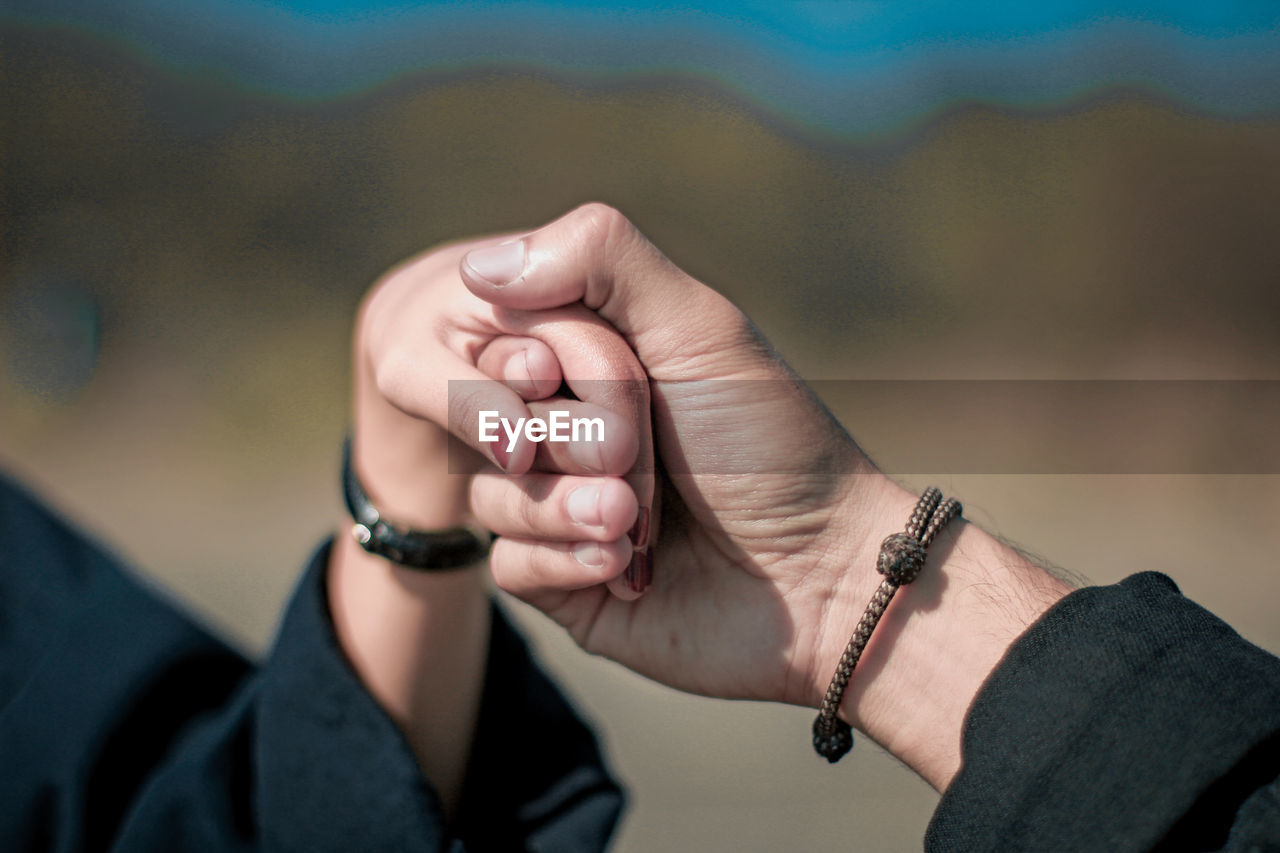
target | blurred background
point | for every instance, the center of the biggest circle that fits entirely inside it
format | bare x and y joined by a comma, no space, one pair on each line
195,195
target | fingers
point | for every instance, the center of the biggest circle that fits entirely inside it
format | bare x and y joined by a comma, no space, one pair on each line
600,368
415,386
616,436
437,353
418,339
554,507
567,435
596,257
529,570
594,254
525,365
583,438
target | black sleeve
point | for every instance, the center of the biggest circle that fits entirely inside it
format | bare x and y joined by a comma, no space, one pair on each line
124,727
1127,718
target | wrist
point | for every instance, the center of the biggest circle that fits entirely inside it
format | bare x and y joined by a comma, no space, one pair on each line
403,462
939,638
873,507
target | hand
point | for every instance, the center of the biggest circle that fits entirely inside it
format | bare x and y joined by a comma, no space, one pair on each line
419,330
756,537
772,522
419,640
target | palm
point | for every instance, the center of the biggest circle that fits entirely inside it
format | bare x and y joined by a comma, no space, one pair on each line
734,575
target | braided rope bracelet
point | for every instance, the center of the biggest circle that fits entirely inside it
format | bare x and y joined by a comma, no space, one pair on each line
901,559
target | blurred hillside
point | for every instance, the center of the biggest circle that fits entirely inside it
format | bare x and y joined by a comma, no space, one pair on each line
180,261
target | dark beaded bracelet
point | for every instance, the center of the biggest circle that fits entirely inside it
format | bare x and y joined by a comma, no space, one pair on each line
900,561
434,550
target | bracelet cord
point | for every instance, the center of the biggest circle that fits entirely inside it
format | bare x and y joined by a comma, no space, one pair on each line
900,560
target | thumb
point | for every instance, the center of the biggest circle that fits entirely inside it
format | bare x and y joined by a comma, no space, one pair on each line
595,255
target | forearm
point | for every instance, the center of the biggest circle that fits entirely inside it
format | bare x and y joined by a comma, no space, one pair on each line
418,640
939,639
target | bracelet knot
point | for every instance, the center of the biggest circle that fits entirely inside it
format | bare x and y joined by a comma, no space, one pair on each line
834,740
901,558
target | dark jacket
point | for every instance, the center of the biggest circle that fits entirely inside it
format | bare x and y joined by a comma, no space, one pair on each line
1128,718
125,727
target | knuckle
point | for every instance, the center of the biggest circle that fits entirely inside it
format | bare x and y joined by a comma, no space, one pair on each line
607,232
601,222
518,568
390,377
465,404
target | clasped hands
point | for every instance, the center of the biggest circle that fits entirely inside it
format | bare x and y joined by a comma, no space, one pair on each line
721,474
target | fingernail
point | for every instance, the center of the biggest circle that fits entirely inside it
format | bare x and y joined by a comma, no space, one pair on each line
518,376
584,505
640,573
499,265
639,534
501,455
589,554
517,369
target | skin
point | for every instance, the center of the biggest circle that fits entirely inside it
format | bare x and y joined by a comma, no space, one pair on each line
766,525
419,641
